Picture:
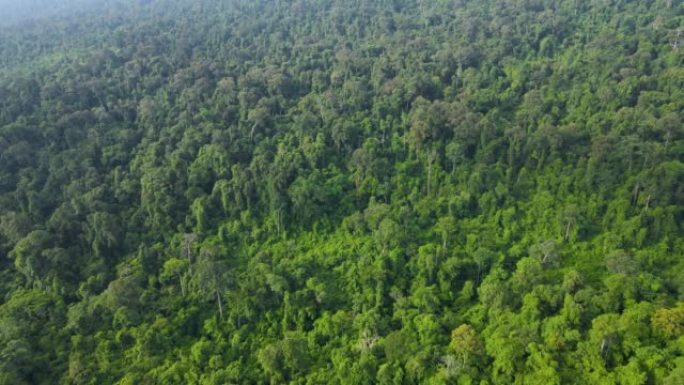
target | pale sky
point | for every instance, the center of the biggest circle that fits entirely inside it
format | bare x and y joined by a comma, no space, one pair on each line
19,11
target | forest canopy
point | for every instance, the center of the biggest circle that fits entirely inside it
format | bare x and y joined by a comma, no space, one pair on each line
342,192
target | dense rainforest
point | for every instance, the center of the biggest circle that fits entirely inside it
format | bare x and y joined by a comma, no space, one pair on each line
342,192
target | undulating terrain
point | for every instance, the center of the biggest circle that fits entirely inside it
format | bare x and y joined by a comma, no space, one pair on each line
342,192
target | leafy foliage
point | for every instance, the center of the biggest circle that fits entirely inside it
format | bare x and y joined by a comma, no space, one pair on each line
392,192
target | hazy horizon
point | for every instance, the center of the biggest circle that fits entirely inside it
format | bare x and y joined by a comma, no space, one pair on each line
15,12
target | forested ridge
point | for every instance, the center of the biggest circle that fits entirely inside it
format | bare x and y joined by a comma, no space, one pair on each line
342,192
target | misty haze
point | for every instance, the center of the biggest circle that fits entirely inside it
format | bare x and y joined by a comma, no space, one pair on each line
343,192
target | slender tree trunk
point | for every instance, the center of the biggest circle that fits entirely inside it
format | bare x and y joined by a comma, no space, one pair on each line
429,177
181,279
251,132
604,347
220,305
635,194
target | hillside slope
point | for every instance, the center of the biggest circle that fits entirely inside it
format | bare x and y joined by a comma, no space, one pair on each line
343,192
